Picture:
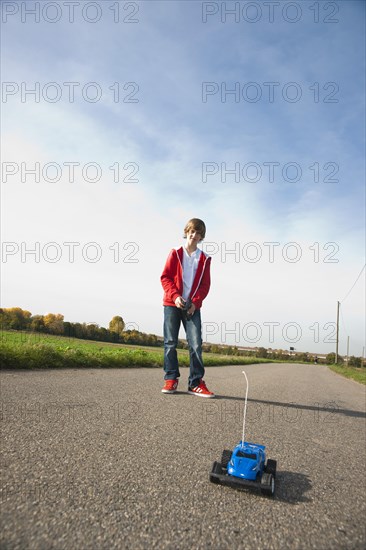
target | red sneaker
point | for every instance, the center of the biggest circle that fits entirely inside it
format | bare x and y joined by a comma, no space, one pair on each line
170,386
201,390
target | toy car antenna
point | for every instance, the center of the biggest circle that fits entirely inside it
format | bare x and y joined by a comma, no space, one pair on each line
245,408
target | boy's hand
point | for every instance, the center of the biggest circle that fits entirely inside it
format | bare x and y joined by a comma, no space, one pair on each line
179,302
191,310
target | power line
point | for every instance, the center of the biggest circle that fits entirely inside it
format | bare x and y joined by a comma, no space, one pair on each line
349,292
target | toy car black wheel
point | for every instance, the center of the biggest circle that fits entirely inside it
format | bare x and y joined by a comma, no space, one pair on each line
267,484
271,467
225,458
216,469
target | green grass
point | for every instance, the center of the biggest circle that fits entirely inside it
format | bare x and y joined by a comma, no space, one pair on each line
32,350
359,375
23,350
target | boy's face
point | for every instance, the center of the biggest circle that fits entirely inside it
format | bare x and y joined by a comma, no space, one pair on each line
193,237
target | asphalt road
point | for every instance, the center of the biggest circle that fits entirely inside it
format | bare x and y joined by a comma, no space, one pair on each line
101,459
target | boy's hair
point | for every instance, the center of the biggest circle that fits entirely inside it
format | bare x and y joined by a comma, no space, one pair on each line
196,224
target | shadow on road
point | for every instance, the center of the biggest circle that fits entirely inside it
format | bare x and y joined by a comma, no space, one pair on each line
291,487
330,407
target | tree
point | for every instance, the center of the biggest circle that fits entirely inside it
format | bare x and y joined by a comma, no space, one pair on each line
354,361
262,352
54,323
3,319
92,331
330,359
117,325
16,318
78,330
37,323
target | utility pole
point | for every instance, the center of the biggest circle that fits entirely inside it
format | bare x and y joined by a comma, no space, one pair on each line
337,341
347,350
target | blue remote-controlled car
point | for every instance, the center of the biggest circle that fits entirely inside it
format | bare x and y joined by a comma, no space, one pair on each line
246,465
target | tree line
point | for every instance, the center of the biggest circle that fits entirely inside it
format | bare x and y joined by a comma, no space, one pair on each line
16,318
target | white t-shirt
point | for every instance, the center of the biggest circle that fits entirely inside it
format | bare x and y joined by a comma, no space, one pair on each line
190,264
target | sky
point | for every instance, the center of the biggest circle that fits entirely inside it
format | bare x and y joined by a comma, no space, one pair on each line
123,120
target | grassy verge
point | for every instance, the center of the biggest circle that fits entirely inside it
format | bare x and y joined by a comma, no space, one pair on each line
359,375
20,350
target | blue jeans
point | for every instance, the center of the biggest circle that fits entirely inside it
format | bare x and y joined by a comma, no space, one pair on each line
173,316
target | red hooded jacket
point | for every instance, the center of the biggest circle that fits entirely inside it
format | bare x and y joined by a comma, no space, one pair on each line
172,278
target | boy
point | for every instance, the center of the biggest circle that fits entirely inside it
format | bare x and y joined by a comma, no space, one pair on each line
186,282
